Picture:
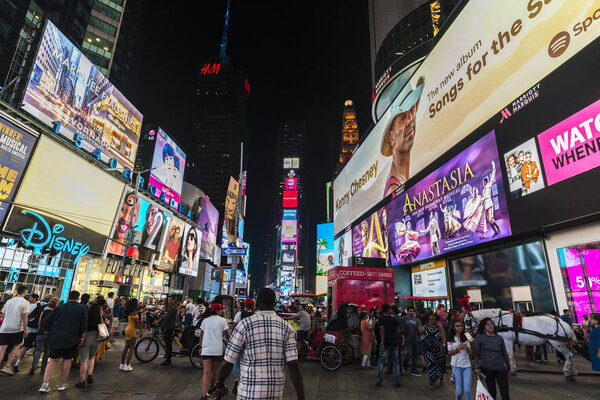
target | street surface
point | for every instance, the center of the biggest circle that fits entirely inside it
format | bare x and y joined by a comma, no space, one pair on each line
181,381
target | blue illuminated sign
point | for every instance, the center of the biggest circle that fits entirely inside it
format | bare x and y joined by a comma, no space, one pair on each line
48,238
290,214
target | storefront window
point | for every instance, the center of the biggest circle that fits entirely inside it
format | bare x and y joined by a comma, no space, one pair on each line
580,266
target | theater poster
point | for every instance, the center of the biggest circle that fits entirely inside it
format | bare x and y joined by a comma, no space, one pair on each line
461,204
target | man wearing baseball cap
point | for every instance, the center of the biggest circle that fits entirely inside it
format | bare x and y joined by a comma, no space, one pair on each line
399,135
264,343
212,330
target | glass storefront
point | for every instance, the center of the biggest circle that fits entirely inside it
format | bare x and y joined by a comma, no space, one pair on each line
99,277
42,273
580,270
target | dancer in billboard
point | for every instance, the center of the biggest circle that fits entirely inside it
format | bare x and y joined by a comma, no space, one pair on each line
399,135
410,249
475,214
188,264
117,245
488,203
434,233
387,240
451,223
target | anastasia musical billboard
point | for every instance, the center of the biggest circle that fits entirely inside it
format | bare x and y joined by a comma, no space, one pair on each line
461,204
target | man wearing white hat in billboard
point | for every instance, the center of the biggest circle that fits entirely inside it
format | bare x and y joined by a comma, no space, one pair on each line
399,135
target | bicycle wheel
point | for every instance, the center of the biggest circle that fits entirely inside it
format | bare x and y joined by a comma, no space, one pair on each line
331,358
146,349
347,354
196,357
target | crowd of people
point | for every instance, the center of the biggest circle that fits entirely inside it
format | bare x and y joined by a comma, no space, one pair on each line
259,344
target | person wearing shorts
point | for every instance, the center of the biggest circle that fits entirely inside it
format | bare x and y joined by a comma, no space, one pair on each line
69,323
12,331
213,328
90,345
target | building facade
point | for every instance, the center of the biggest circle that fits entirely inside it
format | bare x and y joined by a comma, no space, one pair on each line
349,139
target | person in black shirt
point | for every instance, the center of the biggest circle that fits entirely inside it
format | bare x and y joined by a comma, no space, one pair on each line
69,323
389,329
90,345
169,324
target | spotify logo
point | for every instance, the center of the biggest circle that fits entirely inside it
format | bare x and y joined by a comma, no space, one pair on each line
558,45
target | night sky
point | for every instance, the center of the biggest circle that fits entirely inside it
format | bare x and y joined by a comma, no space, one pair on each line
303,60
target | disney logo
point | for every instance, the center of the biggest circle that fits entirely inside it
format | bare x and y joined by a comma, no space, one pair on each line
46,237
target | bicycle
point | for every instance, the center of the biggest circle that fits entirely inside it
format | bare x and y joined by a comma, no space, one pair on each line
148,348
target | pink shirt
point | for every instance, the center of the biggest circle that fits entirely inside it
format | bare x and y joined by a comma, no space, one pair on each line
443,317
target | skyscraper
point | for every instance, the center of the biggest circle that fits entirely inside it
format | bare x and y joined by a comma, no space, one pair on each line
349,133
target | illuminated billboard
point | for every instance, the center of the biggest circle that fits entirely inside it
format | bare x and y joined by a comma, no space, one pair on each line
290,198
290,213
65,86
230,207
429,279
149,226
325,248
64,188
291,183
170,256
198,207
16,146
460,204
343,249
491,54
190,251
289,230
291,163
168,165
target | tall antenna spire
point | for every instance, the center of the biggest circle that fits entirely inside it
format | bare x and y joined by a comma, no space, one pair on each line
223,53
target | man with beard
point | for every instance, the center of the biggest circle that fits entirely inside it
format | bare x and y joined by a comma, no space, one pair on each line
130,205
173,245
399,135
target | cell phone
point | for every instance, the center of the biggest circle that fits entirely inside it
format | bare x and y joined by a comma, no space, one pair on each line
469,337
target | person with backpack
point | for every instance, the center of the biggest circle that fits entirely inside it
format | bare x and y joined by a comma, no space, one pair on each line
239,316
41,341
33,323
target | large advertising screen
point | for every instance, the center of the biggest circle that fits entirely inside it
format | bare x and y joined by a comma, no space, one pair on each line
190,251
325,248
149,225
230,207
16,146
64,188
429,280
343,249
200,209
492,53
170,256
65,86
289,230
460,204
168,166
290,198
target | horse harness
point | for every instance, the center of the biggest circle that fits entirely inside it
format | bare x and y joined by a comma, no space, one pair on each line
518,326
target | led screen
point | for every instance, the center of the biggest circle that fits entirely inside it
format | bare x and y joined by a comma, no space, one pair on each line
290,198
200,209
491,53
460,204
343,249
291,183
65,188
65,86
190,251
429,280
289,230
168,166
170,256
325,248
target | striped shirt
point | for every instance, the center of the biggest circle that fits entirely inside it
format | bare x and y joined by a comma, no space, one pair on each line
264,343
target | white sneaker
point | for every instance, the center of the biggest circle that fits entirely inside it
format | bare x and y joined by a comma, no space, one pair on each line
7,370
62,386
121,367
127,368
45,388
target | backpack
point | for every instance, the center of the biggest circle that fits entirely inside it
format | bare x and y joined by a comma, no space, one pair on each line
34,317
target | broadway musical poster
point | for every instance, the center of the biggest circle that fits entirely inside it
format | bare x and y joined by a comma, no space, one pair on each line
460,204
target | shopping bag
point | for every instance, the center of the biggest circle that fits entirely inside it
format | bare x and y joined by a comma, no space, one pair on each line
482,393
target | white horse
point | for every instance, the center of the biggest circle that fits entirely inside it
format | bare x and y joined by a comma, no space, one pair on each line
547,328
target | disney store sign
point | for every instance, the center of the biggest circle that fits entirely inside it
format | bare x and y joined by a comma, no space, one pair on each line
40,236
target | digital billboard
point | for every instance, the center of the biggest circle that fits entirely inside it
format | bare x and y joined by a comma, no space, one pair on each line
168,166
65,86
461,204
16,146
291,162
289,230
523,169
291,183
290,199
170,256
429,280
190,251
64,188
343,249
290,213
491,54
198,207
149,227
230,206
325,248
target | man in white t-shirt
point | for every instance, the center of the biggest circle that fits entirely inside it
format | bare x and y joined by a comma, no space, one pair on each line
213,329
189,310
13,327
198,311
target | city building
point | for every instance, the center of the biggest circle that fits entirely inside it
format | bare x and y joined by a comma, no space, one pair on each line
289,214
349,133
218,129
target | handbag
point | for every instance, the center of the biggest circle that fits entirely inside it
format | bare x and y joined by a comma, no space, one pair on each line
103,333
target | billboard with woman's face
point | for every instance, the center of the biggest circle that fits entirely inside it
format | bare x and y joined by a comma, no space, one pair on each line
190,251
